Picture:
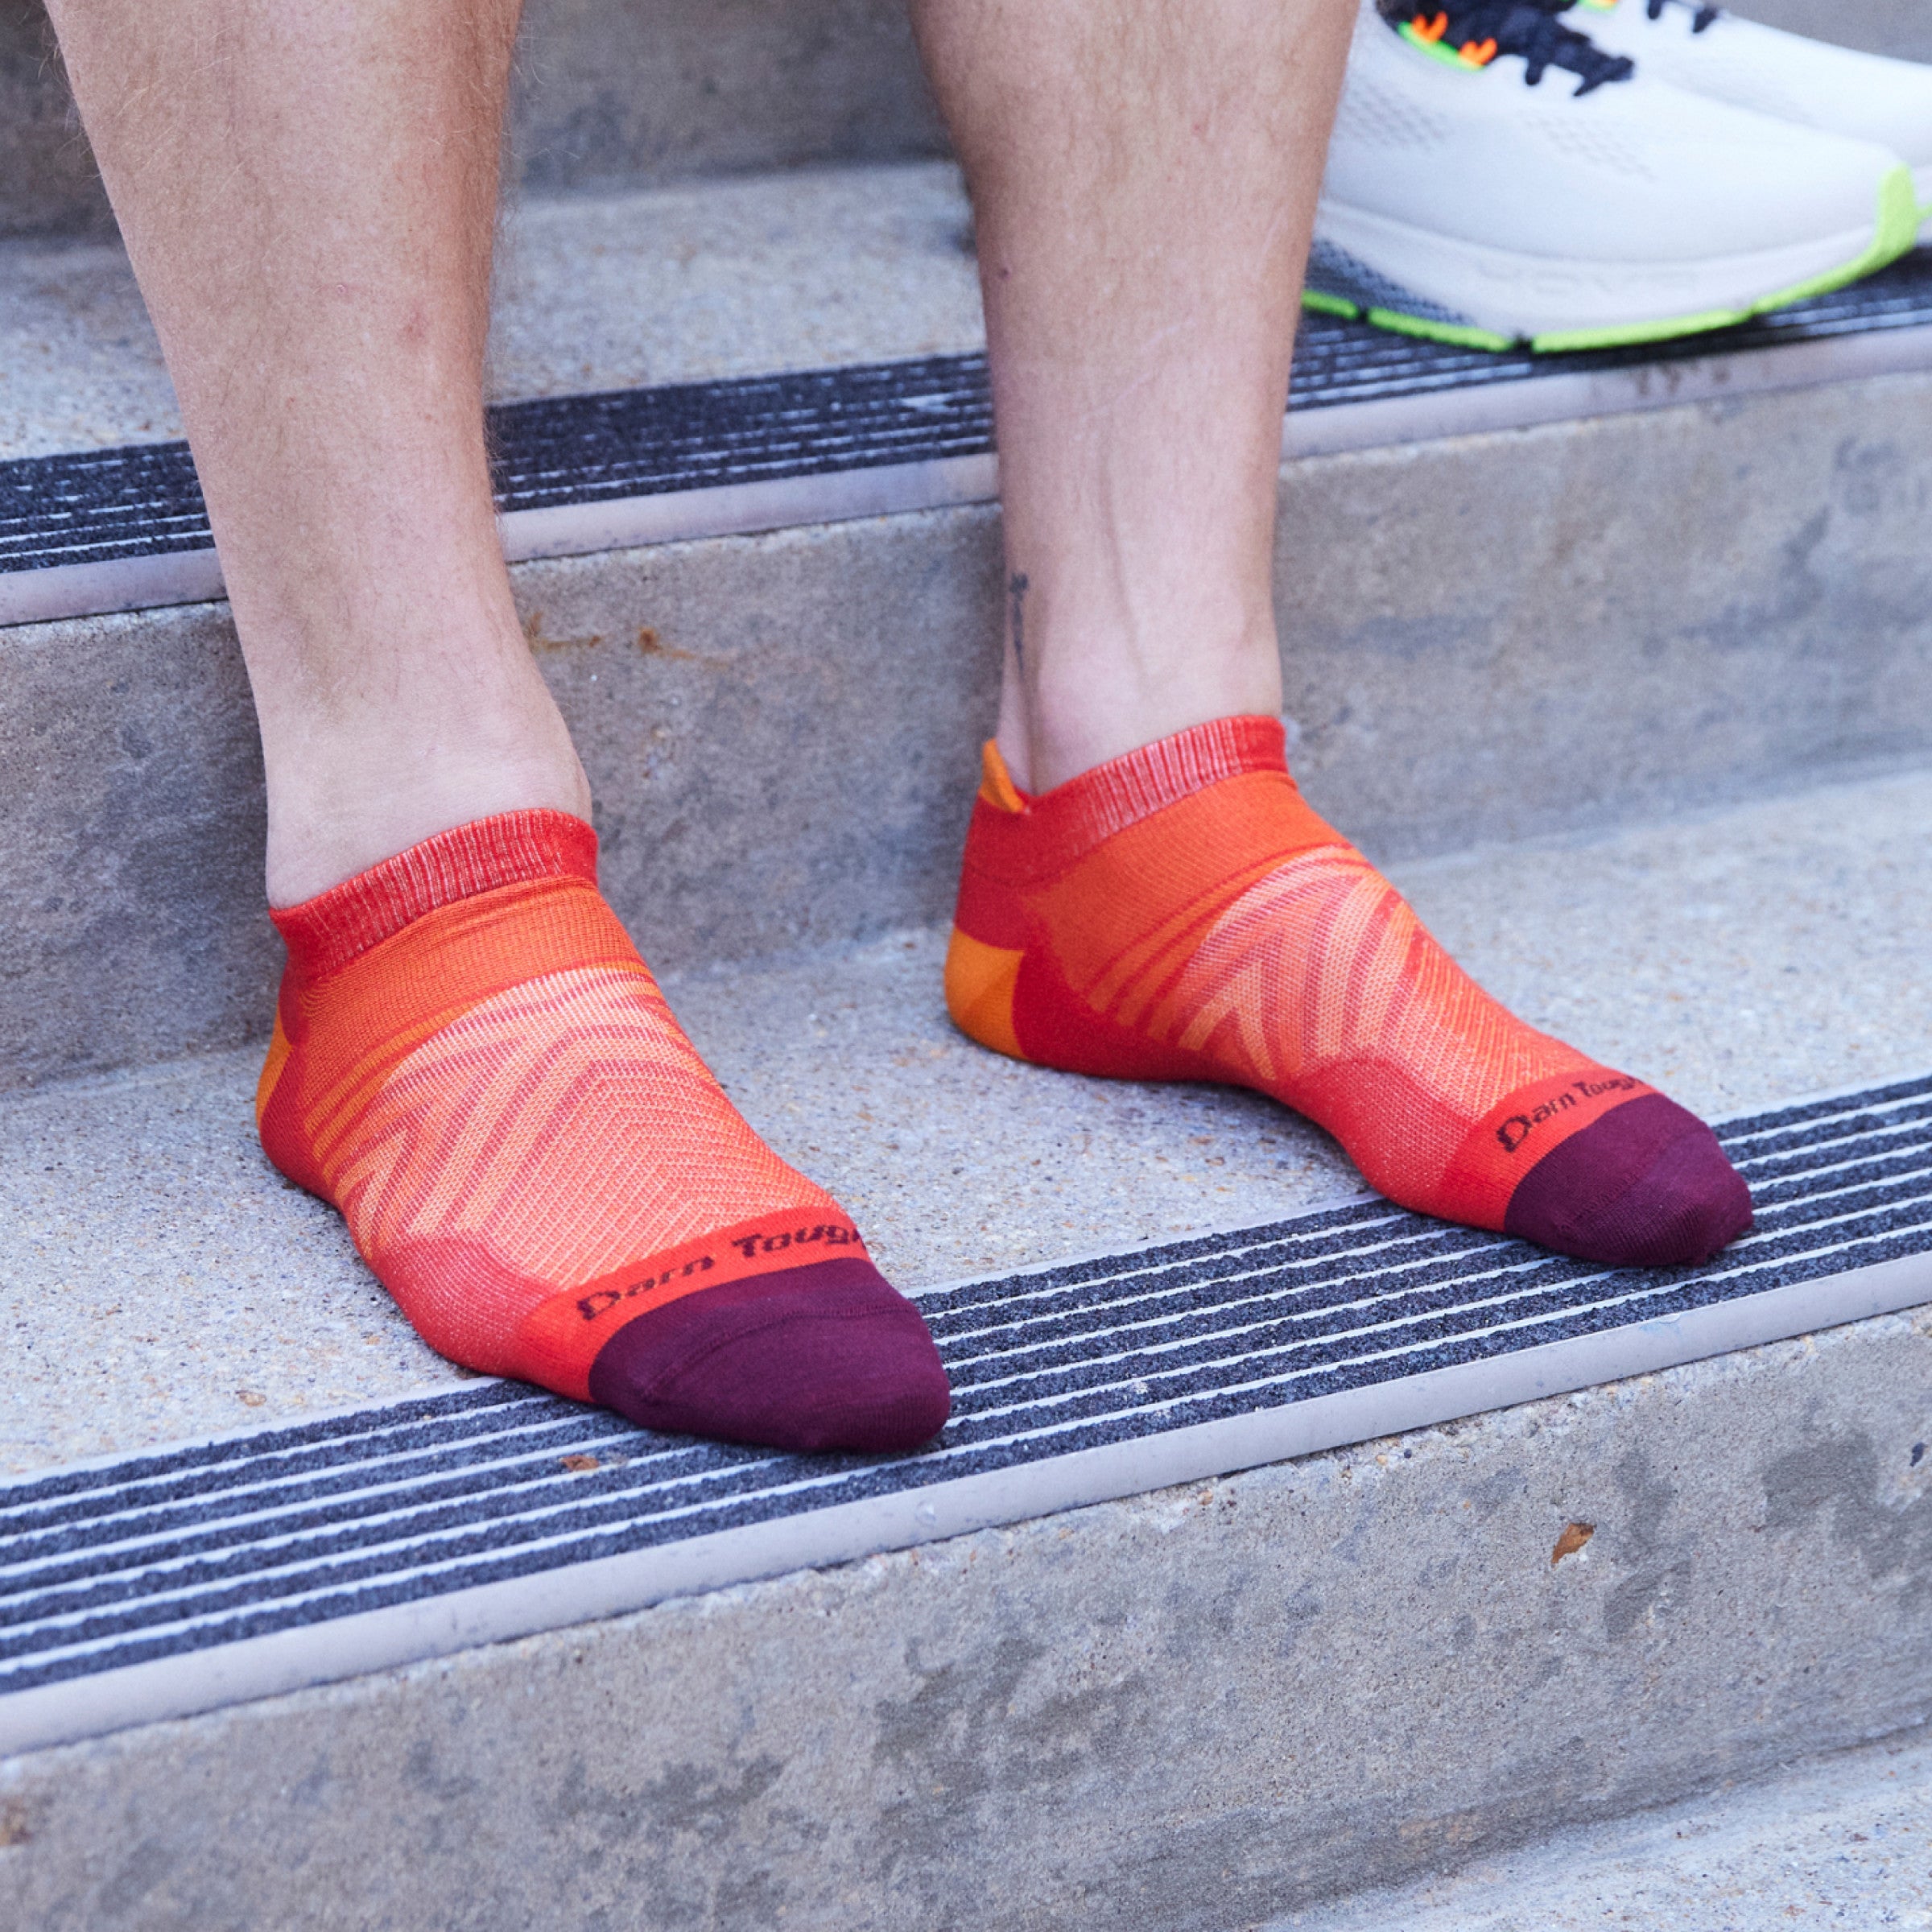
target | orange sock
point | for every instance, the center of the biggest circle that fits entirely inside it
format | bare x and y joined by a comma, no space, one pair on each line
1181,913
473,1063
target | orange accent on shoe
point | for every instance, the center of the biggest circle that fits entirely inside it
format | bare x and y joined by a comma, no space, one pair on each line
1426,29
1182,913
1476,53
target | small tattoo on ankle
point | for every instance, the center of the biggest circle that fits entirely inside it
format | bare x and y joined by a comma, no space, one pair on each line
1018,585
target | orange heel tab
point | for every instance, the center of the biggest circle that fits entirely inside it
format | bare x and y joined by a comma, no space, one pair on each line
980,981
996,786
278,1051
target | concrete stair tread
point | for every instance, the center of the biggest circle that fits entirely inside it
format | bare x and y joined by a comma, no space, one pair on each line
1841,1842
232,1301
812,269
169,1584
1182,1712
862,276
706,282
606,93
1739,960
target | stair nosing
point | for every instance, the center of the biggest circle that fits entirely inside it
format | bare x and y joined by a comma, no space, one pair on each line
123,1642
894,438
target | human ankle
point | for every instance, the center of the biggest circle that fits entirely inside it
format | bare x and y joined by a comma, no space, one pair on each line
334,818
1056,727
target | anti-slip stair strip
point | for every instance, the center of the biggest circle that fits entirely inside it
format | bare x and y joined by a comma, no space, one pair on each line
142,501
154,1583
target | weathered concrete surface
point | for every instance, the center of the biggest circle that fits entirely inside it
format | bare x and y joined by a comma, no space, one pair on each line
48,184
1500,635
1485,638
609,92
788,756
1900,27
809,269
1845,1841
617,93
804,269
1187,1713
1736,961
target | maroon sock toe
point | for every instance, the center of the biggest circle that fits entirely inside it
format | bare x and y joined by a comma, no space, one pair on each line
1647,1185
829,1356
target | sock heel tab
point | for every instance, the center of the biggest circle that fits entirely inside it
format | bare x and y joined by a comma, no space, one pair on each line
278,1051
980,981
996,786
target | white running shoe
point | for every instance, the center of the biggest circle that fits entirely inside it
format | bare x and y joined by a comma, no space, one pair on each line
1497,177
1810,82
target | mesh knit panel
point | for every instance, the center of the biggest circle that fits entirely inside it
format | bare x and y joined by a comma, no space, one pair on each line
543,1095
1321,969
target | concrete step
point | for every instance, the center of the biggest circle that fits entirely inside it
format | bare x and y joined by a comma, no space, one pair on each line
1898,28
1200,1707
1517,597
1186,1711
625,92
1738,960
608,94
815,269
1844,1841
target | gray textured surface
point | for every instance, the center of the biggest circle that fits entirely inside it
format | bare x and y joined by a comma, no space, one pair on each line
1484,638
162,1281
1900,27
1187,1712
80,366
1847,1842
621,91
47,181
618,92
624,92
802,270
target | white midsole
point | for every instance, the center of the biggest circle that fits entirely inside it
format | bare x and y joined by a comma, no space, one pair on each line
1518,294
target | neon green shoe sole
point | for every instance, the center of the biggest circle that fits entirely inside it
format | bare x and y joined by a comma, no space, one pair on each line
1895,233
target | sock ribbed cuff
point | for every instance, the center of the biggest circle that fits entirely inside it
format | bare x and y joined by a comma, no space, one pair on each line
1074,817
323,933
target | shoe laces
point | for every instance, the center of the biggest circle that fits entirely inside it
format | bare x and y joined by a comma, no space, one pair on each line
1703,17
1481,31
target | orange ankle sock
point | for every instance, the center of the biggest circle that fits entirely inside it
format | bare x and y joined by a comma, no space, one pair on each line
473,1063
1181,913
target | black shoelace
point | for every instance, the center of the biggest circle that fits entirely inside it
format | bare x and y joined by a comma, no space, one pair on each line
1705,15
1528,28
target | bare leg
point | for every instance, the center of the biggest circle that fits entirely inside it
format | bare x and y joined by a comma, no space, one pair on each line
1144,174
308,193
469,1060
